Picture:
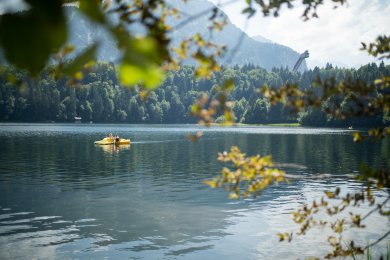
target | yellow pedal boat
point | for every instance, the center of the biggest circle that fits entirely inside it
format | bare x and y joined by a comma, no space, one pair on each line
110,141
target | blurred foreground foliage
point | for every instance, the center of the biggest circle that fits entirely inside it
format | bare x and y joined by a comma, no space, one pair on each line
250,175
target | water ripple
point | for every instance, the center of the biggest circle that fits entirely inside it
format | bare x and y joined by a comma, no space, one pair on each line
63,197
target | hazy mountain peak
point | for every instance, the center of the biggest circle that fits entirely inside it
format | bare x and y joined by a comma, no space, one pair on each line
260,38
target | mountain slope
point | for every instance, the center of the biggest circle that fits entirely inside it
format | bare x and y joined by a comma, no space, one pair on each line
265,54
260,38
248,51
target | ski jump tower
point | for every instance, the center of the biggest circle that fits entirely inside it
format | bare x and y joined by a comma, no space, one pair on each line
299,61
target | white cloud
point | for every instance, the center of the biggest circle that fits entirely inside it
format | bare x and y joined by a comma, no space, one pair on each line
334,37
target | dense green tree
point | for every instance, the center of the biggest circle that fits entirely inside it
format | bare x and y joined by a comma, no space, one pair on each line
98,98
258,112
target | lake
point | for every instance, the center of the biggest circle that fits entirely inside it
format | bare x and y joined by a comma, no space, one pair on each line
62,197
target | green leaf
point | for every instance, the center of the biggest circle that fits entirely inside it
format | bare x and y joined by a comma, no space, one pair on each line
131,74
154,77
82,59
357,137
195,109
330,194
332,241
211,183
229,85
28,38
233,195
143,51
141,61
250,11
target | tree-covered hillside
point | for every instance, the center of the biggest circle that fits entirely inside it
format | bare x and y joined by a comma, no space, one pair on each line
100,98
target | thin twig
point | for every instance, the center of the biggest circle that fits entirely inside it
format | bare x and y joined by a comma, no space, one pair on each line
200,14
378,240
238,44
375,209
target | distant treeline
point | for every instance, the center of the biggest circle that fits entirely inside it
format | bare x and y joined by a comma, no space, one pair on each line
99,98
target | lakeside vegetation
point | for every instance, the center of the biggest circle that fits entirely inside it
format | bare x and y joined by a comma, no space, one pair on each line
98,97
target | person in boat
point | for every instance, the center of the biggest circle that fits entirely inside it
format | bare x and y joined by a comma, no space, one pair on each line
110,137
117,139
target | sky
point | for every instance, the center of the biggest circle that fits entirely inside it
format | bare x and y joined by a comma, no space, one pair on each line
334,37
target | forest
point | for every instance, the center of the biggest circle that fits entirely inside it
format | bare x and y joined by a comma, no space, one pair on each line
98,96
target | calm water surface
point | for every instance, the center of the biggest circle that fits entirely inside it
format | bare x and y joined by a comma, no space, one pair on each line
63,197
